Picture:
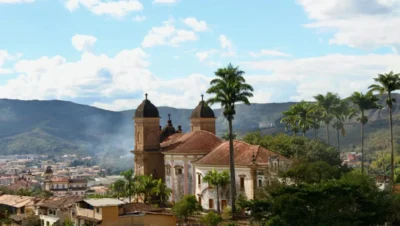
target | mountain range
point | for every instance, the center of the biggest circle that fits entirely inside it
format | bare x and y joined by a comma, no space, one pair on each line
57,127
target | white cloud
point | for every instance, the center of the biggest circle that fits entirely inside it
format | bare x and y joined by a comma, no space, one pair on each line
167,35
164,1
366,24
195,24
139,18
4,57
16,1
203,55
337,73
266,52
225,42
118,8
83,42
227,46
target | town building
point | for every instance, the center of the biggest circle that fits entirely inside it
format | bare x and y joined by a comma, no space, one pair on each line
56,210
183,159
64,185
111,212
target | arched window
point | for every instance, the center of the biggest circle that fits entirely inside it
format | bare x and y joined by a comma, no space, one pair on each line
178,170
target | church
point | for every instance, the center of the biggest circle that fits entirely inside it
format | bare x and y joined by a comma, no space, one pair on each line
183,159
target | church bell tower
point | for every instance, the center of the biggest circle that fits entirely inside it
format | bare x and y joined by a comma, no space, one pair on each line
148,157
203,117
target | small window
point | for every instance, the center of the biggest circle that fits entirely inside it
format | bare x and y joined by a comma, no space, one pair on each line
199,179
200,200
97,210
178,170
241,182
211,203
259,183
168,170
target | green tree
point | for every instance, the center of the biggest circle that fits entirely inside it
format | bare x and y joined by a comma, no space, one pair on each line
211,219
327,103
387,84
299,117
363,103
161,190
118,188
341,113
186,207
146,184
129,183
230,88
218,180
290,118
316,115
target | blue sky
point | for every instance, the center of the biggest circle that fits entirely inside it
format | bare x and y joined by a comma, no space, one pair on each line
109,53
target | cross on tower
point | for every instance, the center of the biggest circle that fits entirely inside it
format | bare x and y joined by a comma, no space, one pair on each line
202,97
169,116
145,95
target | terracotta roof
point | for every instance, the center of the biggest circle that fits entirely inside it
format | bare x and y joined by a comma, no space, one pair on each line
243,154
16,200
196,142
61,203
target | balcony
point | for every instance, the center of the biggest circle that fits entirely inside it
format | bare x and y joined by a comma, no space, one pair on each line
88,213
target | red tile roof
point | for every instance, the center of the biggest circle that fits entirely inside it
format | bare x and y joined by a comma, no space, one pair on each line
243,154
196,142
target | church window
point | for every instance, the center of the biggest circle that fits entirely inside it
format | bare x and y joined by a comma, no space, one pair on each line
168,170
259,183
199,179
178,170
242,183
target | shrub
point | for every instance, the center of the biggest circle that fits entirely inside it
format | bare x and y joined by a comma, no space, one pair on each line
211,219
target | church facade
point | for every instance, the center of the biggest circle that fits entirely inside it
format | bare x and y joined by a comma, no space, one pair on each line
183,159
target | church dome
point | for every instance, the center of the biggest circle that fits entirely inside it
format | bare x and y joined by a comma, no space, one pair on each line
203,110
48,170
146,110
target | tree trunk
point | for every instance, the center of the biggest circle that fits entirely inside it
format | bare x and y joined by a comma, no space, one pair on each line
391,140
338,139
232,169
327,132
362,148
218,207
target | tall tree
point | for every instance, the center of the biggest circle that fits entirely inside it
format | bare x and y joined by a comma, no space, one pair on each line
218,180
290,118
327,103
363,103
161,190
118,188
316,115
147,186
387,84
304,112
230,88
129,183
341,113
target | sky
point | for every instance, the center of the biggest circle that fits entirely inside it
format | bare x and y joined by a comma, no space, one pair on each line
109,53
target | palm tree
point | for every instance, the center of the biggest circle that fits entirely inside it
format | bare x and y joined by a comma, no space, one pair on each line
304,111
146,186
118,188
341,113
290,118
218,180
161,190
316,116
230,88
327,103
129,183
363,102
387,83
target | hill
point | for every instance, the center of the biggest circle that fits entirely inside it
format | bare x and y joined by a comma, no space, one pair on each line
56,127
